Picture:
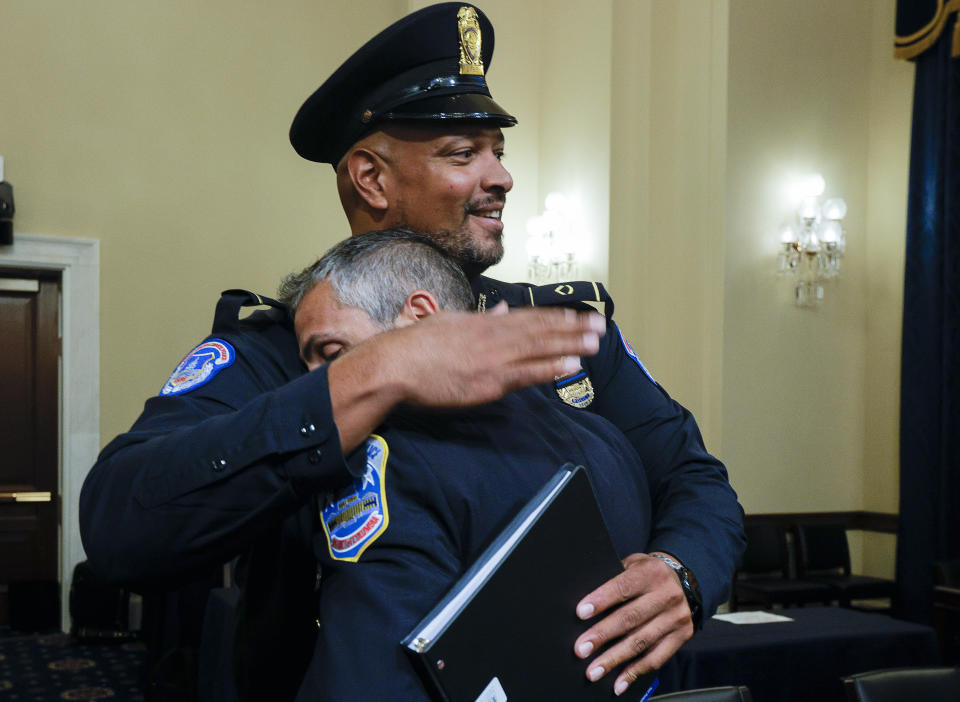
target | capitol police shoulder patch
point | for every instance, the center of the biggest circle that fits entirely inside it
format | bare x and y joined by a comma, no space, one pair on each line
199,367
633,354
356,518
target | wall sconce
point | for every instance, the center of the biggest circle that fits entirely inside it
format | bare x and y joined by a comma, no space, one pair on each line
551,243
811,247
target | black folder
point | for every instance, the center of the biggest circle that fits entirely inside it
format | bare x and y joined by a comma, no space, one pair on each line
506,629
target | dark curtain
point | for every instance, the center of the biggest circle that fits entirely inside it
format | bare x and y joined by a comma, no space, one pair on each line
930,381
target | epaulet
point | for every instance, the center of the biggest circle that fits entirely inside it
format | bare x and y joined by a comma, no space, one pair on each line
573,291
227,316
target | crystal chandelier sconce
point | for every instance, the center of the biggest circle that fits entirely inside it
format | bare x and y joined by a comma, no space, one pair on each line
551,243
812,245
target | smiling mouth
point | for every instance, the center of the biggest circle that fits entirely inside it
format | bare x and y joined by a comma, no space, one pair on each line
489,214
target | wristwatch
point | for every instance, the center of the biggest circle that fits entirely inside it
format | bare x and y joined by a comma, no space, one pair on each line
691,589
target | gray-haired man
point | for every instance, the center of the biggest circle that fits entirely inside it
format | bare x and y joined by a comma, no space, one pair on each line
436,486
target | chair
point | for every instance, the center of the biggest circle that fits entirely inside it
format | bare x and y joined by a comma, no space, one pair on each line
947,573
896,685
825,558
709,694
764,575
946,609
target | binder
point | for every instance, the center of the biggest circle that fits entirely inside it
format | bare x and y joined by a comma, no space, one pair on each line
506,629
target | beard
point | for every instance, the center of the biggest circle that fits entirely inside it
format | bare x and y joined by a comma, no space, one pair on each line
473,256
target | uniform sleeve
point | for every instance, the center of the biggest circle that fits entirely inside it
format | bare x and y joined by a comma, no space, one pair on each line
201,474
696,516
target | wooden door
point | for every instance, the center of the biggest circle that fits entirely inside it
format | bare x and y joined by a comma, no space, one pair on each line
29,429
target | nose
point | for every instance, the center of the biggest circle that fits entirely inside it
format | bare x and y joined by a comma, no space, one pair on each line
497,177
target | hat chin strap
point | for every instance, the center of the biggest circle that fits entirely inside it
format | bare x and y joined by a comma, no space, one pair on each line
435,78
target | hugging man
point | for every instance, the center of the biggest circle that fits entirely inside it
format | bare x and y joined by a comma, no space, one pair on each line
435,486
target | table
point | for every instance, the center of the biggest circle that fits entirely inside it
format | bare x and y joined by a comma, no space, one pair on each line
799,660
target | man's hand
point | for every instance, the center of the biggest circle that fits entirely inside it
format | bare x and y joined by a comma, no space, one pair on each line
648,620
456,359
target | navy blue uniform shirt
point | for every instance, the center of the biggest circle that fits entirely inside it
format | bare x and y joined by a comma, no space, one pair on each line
448,483
217,469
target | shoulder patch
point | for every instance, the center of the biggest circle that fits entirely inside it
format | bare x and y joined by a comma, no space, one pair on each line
633,354
199,367
357,517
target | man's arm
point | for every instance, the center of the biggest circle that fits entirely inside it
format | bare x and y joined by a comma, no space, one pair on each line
456,359
696,521
201,473
195,478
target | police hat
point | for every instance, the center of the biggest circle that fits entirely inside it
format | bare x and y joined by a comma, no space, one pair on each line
430,65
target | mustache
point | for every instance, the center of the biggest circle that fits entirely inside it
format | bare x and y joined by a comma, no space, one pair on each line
486,202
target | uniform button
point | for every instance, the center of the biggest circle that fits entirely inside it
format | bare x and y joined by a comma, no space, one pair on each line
218,464
307,430
315,456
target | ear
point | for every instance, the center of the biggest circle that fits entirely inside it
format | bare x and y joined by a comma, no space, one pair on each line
419,304
367,172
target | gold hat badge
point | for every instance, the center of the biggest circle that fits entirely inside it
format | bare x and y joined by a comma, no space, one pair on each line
471,59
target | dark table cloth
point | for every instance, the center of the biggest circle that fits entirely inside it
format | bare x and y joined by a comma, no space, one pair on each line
799,660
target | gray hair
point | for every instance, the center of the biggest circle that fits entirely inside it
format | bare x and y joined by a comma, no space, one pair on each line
377,270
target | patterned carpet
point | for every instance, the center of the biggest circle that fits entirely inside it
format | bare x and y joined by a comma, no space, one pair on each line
48,667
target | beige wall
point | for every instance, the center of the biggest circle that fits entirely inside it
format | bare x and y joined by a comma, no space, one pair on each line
667,177
160,129
811,397
793,378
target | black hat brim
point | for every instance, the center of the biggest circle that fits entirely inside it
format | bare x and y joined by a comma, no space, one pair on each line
462,107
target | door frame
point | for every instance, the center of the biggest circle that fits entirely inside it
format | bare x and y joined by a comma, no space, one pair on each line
78,260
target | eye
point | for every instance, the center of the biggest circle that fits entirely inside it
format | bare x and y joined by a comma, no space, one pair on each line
329,351
321,352
499,154
464,153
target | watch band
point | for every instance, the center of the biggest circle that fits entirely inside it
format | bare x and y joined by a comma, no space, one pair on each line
691,589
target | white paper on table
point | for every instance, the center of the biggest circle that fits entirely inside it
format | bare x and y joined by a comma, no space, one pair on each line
759,617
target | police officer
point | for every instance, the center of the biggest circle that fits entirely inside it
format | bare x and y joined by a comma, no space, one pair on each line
239,436
438,485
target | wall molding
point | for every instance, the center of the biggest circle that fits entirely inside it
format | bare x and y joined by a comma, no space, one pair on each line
78,260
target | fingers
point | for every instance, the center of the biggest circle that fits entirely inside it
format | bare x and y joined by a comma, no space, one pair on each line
645,648
459,359
500,308
654,658
535,372
631,583
546,319
531,335
647,621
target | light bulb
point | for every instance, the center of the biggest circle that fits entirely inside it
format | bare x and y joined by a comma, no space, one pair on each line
787,234
813,185
809,208
835,208
830,232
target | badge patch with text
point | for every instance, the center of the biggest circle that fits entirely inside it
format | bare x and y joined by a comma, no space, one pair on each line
199,367
358,516
575,390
